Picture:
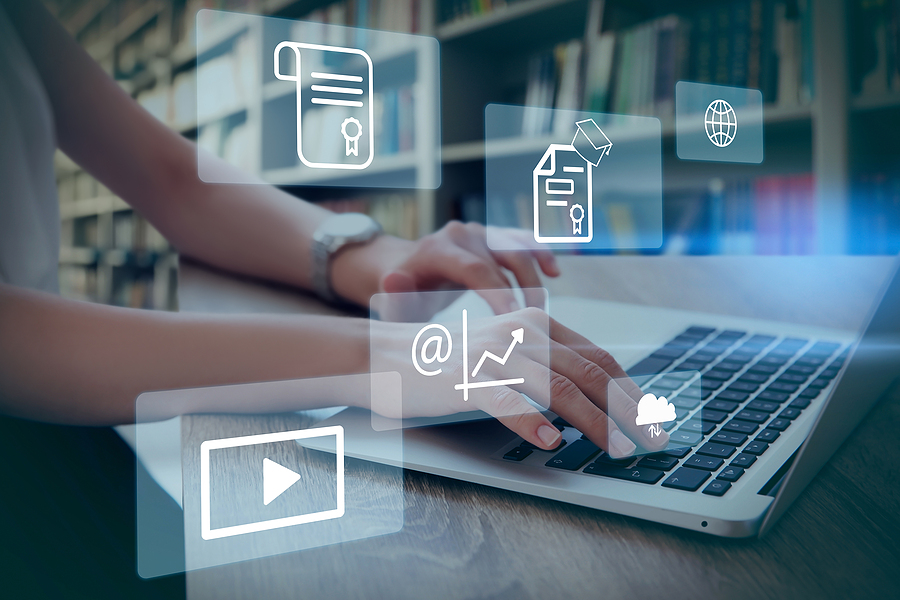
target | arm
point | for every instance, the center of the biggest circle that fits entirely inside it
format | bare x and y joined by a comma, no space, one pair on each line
255,230
80,363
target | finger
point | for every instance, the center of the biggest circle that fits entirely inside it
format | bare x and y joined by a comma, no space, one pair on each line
565,336
567,401
545,258
522,267
517,415
604,392
556,391
469,270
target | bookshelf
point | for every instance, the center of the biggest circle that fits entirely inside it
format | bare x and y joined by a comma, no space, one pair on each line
824,114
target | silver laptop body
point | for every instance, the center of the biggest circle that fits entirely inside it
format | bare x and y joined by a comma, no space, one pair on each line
473,451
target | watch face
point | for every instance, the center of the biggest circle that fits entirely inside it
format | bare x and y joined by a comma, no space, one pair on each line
347,225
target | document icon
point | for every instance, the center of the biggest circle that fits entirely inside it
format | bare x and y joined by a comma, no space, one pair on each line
563,197
563,186
334,105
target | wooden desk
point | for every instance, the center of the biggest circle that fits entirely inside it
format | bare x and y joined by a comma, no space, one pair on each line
840,539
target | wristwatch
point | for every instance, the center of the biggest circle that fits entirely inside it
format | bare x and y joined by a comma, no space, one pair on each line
334,234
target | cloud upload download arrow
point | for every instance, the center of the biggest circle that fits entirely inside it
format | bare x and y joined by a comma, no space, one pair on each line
518,335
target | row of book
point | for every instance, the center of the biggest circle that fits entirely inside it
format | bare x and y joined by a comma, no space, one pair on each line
875,46
760,44
455,10
396,212
772,215
776,215
874,220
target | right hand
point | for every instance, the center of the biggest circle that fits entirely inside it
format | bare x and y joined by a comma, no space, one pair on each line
580,382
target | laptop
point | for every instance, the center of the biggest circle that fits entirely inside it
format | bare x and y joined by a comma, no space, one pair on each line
775,403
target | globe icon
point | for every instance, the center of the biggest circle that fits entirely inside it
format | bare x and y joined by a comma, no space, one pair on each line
721,123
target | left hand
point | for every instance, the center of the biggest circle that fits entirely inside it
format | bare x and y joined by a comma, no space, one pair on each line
456,256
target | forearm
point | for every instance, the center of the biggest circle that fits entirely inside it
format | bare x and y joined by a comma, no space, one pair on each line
80,363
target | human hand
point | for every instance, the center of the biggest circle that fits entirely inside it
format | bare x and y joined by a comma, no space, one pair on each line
455,257
562,371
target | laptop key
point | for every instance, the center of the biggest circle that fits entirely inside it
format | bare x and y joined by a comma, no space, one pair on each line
811,361
743,460
819,383
829,373
729,365
691,365
518,453
677,452
668,352
730,473
694,392
740,427
618,462
719,404
792,378
716,450
716,375
752,415
771,396
680,401
763,406
686,479
726,437
530,446
778,386
743,386
810,393
754,377
650,366
756,448
573,457
796,369
639,474
700,332
687,438
698,426
779,424
712,416
560,423
789,413
717,488
768,435
658,461
706,463
763,369
800,403
734,395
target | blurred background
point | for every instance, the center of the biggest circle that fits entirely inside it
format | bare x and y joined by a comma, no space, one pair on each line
829,72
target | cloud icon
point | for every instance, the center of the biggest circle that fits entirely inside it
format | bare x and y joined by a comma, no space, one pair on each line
654,410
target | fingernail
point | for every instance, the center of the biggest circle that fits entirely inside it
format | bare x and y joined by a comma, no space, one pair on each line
619,445
549,435
513,306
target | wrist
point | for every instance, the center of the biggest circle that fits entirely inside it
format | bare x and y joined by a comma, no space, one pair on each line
356,271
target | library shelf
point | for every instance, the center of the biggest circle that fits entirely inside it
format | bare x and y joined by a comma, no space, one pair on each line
465,26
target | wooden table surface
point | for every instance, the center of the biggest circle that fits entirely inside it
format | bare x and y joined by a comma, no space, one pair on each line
840,539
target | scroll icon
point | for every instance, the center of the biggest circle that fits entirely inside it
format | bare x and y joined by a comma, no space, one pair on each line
334,105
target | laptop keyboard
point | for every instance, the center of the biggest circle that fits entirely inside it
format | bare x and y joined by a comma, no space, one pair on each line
752,387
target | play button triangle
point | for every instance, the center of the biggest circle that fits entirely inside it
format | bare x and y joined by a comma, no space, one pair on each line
276,480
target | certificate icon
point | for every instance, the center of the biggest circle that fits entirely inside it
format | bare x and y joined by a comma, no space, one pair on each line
334,105
563,186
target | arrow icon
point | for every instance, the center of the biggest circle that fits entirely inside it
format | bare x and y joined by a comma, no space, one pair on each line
276,480
518,335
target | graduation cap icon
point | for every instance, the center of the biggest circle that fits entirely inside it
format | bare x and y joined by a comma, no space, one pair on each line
590,142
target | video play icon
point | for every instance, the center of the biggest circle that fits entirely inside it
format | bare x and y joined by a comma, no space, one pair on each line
276,480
